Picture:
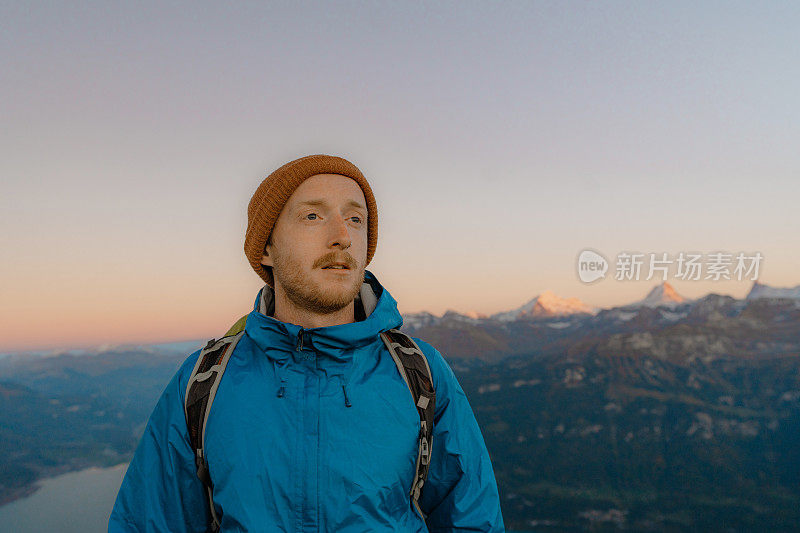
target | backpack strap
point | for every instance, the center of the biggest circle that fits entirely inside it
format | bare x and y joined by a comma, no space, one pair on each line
413,366
200,392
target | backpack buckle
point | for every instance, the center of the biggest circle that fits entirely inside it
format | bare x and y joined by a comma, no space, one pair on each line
424,449
425,452
416,488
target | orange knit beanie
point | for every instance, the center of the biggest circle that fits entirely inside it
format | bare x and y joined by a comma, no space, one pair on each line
273,193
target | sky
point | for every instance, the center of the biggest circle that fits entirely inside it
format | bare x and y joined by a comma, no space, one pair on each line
500,139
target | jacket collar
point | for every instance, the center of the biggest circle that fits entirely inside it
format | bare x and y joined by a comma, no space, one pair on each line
333,345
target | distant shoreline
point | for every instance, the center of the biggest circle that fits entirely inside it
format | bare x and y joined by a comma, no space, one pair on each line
11,495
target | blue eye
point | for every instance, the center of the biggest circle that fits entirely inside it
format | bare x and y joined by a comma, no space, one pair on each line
311,215
358,219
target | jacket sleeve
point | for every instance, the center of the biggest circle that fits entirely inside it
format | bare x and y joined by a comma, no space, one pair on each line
460,493
161,491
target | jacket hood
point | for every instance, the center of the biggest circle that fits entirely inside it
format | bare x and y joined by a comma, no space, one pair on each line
333,345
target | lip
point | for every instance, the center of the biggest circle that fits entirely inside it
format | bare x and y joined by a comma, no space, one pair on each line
336,264
340,272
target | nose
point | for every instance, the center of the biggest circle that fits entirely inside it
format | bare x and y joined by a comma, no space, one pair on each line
340,236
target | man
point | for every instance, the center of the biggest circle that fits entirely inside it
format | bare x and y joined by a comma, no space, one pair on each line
313,427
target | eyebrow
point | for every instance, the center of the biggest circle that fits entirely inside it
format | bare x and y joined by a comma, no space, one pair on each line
351,203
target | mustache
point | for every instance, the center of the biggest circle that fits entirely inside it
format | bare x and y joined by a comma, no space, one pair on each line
333,257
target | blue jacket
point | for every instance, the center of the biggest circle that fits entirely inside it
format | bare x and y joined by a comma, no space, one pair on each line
287,454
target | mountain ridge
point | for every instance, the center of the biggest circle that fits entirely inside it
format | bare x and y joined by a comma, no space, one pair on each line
549,305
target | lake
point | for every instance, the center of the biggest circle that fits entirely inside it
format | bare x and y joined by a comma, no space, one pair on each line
77,502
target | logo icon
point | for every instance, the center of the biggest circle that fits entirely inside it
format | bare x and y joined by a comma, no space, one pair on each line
591,266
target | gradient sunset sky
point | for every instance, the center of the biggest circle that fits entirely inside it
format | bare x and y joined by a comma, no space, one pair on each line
500,139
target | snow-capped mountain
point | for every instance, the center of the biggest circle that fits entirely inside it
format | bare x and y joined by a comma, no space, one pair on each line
662,306
663,295
760,290
470,317
419,320
547,304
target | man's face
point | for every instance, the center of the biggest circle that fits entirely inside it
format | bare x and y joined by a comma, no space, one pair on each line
324,222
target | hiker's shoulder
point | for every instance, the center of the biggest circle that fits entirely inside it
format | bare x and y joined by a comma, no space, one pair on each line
188,364
180,378
440,369
428,349
211,351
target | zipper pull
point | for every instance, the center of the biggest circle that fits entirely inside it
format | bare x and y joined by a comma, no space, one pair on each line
300,340
346,400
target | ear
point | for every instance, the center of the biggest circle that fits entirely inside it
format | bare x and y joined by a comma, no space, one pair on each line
266,259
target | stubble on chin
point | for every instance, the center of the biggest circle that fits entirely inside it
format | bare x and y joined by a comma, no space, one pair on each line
306,293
